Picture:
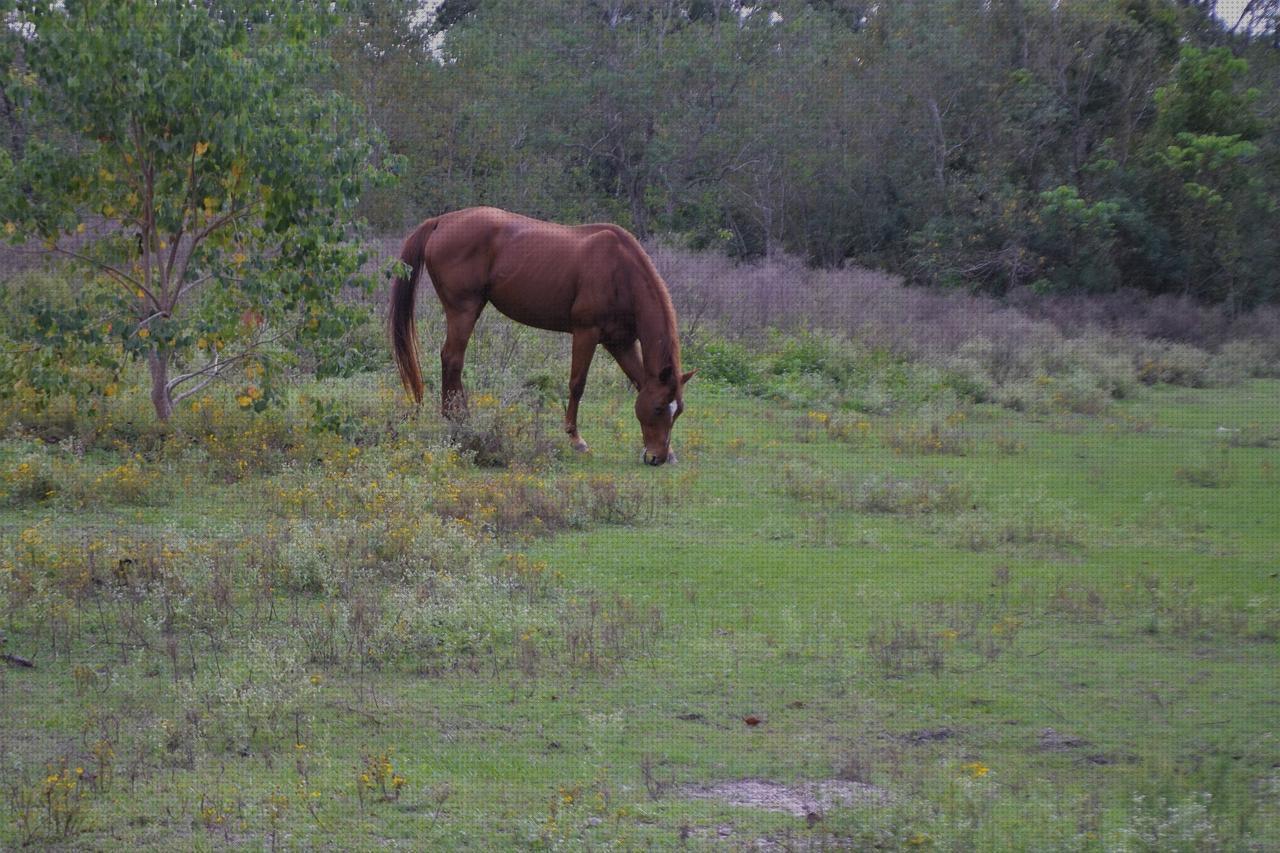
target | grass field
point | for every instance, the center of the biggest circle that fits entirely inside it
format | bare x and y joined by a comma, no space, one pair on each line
934,623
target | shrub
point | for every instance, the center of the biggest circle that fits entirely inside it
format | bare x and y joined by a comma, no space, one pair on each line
1172,363
723,361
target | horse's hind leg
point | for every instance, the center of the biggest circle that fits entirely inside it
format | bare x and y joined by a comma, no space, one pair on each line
584,347
460,322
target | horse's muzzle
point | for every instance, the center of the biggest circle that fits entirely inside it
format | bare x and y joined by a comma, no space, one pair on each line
656,460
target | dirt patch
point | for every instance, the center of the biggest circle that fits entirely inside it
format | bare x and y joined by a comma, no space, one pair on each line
928,735
801,799
1055,740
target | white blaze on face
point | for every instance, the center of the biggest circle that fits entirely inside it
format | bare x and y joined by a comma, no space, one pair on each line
671,407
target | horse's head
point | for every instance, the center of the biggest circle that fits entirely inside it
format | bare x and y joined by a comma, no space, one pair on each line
659,403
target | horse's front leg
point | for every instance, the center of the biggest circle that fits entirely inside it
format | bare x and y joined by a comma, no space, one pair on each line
584,348
629,359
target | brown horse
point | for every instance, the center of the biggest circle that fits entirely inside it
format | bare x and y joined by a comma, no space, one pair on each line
592,281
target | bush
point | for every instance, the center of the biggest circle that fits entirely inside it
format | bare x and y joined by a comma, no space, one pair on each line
724,361
1172,363
1248,358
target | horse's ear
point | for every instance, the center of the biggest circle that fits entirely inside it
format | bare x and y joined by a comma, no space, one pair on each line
665,376
687,377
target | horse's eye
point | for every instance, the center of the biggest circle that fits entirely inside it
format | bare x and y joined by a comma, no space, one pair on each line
659,410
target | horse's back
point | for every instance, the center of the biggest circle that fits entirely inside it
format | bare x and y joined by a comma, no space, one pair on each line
543,274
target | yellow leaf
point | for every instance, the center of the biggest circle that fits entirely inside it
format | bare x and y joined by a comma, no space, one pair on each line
144,333
80,228
10,228
201,147
110,390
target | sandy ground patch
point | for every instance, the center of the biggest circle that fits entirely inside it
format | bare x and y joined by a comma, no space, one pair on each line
801,799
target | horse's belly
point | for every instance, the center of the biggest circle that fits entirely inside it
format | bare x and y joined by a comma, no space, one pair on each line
549,312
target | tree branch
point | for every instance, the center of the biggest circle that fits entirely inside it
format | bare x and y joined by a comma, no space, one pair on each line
124,278
192,286
216,367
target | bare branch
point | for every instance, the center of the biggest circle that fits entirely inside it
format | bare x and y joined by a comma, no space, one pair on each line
192,286
147,321
216,366
195,389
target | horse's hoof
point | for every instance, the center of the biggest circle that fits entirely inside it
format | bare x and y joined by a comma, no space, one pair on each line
580,445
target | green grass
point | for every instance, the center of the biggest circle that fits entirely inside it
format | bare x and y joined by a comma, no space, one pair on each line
1086,588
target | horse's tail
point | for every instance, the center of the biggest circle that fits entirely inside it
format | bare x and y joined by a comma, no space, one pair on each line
404,330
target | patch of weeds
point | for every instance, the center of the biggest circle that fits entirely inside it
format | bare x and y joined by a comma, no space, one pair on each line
1160,825
1253,435
1077,602
938,431
1038,520
839,426
880,493
810,485
37,478
1024,519
54,809
1008,445
887,494
523,504
1177,607
597,634
31,480
377,780
900,650
1206,473
497,433
326,417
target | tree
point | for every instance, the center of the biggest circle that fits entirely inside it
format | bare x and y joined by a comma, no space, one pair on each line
1202,155
192,135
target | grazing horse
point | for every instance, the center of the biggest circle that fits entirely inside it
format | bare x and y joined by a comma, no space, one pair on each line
593,281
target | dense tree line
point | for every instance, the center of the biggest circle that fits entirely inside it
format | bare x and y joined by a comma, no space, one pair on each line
988,144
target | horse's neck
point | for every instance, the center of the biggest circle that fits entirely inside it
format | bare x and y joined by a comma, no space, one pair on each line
655,327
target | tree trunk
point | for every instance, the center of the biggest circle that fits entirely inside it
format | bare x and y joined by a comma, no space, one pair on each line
159,364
